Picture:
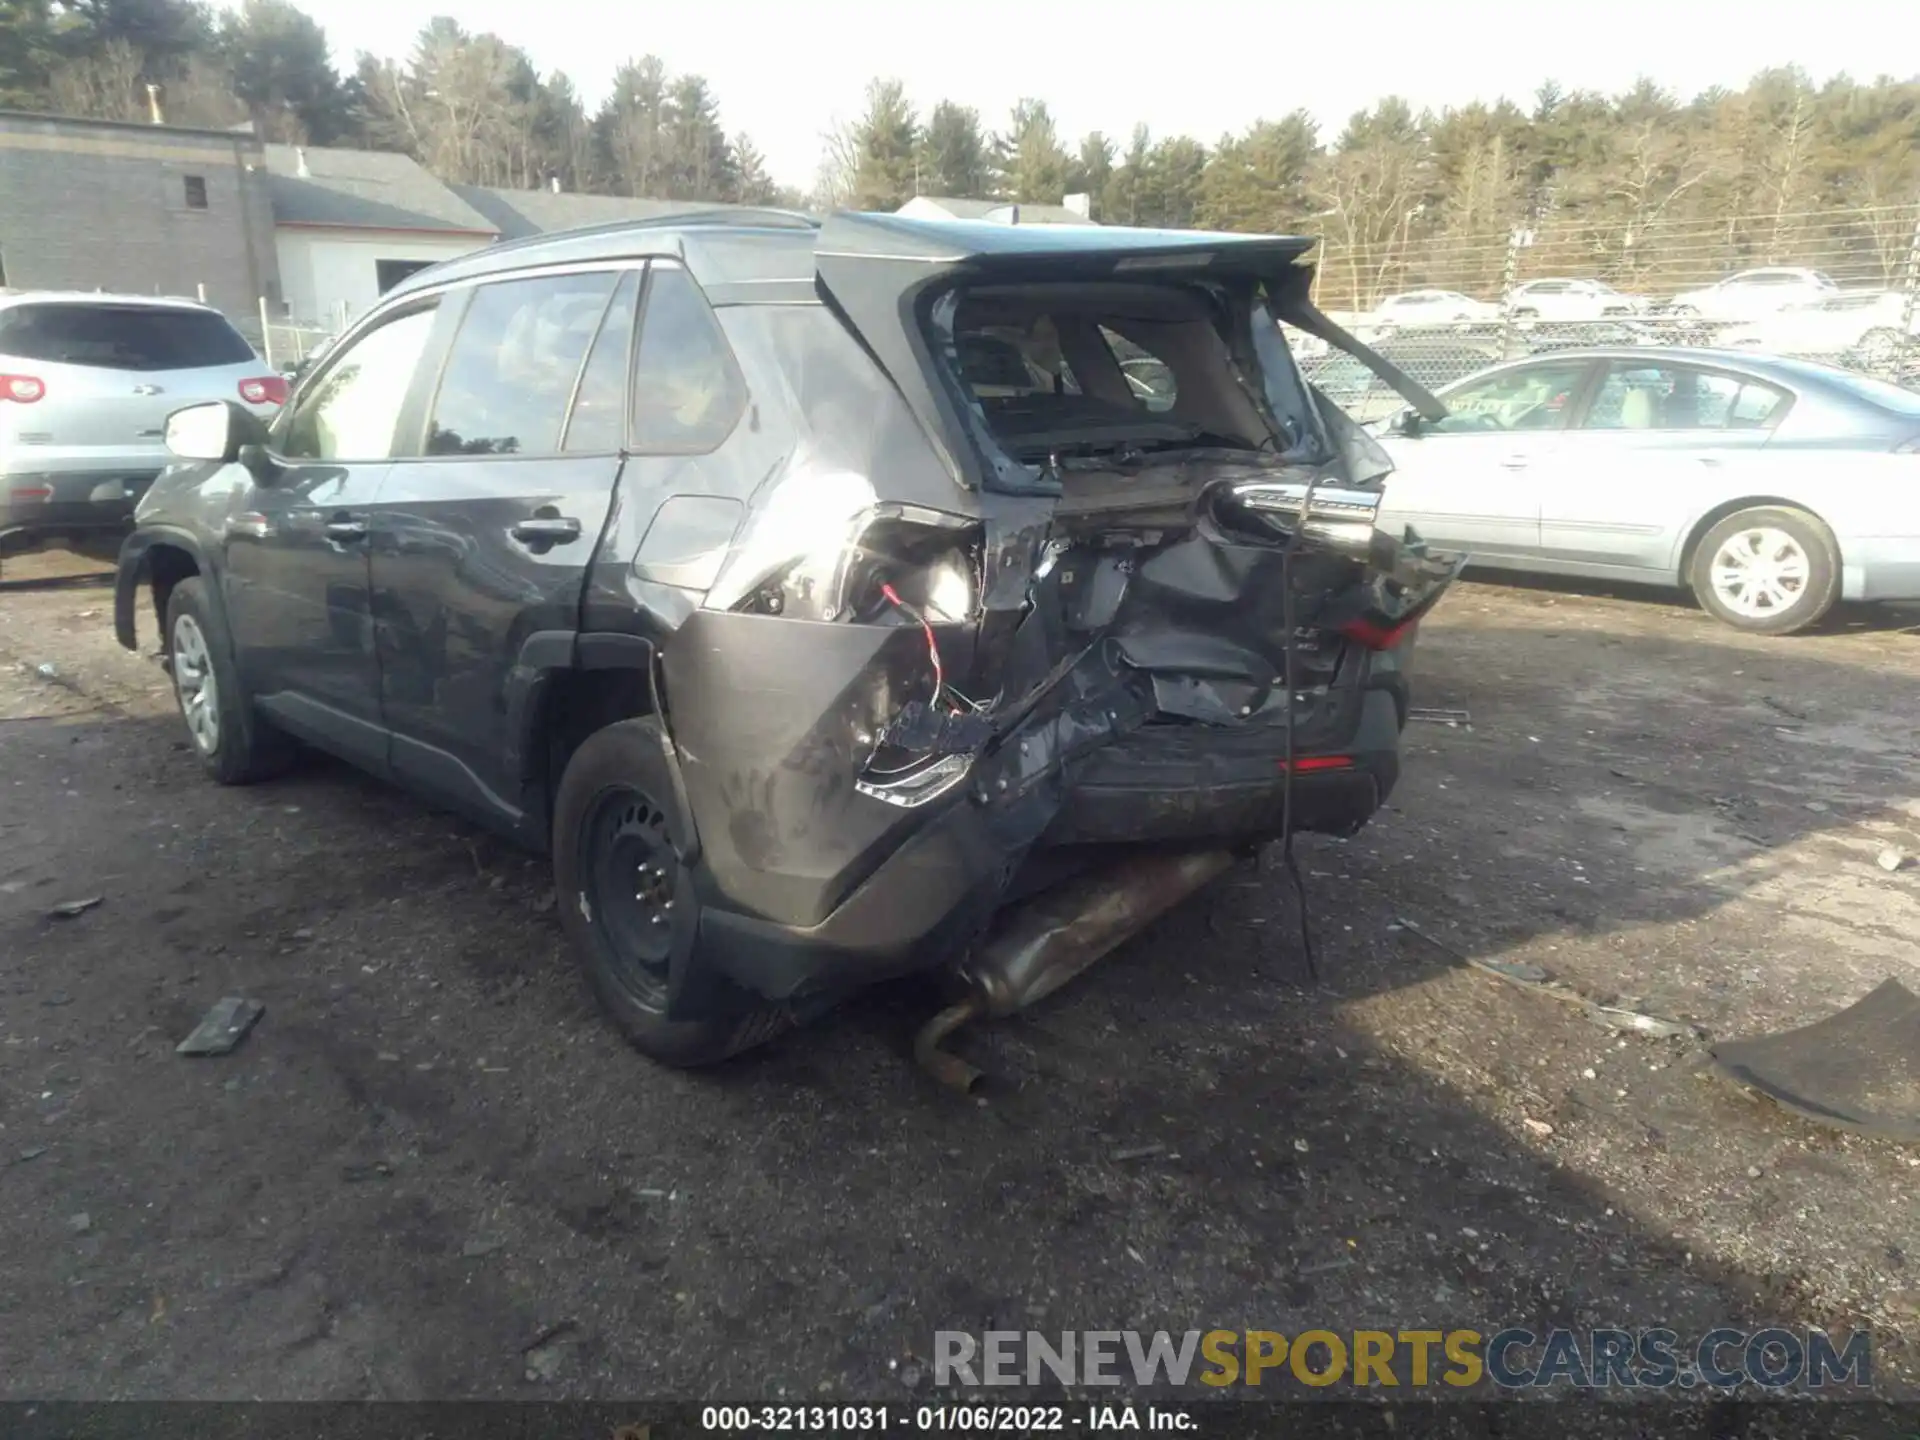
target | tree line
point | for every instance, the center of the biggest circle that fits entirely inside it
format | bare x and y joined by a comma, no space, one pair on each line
1637,188
1641,189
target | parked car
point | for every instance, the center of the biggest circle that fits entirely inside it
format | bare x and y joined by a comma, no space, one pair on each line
1769,487
1754,293
1869,321
1434,361
1567,300
803,644
86,384
1584,334
1423,309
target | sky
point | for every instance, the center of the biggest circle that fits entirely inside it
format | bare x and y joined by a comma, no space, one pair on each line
785,72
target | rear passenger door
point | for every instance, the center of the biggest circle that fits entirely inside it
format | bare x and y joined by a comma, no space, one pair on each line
483,533
1660,443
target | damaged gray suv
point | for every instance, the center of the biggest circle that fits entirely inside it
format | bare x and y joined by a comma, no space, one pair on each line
830,601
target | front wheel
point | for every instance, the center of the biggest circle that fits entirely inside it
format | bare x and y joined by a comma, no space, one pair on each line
628,904
1769,570
234,745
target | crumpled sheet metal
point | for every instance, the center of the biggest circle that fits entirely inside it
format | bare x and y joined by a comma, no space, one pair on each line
1857,1070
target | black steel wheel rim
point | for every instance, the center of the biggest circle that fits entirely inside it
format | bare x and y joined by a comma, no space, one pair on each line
632,874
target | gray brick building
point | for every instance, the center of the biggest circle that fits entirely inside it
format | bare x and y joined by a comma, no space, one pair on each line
145,209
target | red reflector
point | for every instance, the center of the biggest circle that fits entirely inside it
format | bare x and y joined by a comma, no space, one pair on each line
264,390
22,388
31,492
1376,637
1320,762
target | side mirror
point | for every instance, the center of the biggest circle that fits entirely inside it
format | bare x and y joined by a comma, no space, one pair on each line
1406,422
216,431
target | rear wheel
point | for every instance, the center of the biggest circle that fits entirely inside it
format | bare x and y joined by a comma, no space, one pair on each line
234,745
1769,570
628,904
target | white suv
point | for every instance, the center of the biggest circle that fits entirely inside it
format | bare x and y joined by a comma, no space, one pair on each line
86,384
1571,301
1753,293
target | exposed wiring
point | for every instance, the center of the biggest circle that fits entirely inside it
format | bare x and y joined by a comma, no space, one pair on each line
1289,679
933,645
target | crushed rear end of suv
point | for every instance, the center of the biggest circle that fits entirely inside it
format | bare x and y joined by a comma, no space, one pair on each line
974,593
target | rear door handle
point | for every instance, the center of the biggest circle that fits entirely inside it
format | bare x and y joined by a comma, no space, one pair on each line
346,528
550,529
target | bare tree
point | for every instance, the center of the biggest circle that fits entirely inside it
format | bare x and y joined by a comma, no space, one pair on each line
834,181
105,85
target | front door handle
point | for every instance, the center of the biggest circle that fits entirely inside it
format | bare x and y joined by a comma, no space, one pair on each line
547,529
1515,462
346,528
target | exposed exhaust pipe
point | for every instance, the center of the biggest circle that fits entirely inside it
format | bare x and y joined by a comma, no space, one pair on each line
1052,938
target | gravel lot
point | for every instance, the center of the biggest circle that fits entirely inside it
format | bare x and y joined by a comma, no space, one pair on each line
431,1155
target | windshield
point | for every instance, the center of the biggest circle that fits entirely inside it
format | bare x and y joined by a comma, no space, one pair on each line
1092,368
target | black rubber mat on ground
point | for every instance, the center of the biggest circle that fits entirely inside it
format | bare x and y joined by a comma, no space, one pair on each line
1857,1070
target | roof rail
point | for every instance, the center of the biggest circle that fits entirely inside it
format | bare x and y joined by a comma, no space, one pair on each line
742,216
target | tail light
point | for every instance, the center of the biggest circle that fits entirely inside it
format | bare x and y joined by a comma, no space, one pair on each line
40,493
22,389
264,390
1307,764
823,548
1376,636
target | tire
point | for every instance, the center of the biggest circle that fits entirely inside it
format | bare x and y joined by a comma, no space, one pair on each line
1791,566
628,905
234,746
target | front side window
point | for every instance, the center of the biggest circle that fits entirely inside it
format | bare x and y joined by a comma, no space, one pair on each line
1535,397
513,365
351,412
687,390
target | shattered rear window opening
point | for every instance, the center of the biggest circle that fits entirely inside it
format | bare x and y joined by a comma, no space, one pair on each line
1100,368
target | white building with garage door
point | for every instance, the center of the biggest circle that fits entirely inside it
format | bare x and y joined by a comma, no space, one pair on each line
349,225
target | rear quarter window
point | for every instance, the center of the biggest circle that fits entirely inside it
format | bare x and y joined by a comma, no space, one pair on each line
121,337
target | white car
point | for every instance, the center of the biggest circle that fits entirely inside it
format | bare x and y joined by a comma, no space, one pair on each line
1571,300
1755,293
1418,309
1858,320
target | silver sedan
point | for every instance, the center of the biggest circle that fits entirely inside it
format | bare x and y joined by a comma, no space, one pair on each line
1769,487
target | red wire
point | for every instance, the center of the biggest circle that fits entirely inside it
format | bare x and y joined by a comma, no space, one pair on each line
933,648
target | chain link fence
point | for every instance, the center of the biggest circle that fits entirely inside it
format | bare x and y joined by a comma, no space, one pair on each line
1839,287
286,343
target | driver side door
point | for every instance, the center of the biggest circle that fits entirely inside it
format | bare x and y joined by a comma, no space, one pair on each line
297,577
1473,481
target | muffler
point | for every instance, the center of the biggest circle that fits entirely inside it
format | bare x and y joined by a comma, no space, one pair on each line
1043,943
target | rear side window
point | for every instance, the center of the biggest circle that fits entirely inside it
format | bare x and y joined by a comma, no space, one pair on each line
599,422
687,390
513,365
121,337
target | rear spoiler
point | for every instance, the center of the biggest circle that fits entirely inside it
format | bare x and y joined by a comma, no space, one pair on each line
1293,304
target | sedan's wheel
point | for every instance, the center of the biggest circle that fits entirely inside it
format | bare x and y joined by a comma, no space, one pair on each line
629,905
234,745
1768,570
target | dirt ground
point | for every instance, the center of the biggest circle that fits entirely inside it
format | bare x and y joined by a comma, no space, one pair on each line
432,1171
